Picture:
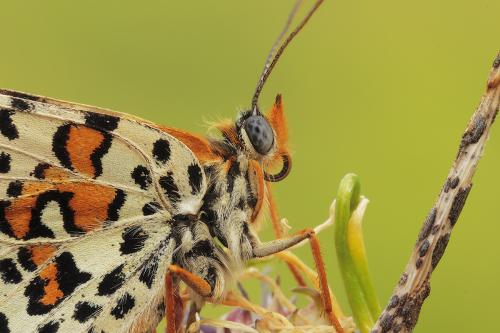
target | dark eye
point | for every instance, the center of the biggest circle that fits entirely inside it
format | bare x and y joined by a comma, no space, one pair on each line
260,133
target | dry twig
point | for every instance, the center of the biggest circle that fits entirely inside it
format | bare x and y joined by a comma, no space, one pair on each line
402,312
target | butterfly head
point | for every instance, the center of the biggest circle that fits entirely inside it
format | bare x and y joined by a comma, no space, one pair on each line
264,138
256,133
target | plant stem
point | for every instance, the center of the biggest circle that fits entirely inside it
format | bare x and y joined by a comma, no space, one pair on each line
401,314
351,253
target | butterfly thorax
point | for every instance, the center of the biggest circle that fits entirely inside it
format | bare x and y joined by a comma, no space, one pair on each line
231,203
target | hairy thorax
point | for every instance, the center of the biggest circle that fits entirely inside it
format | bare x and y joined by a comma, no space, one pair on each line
217,244
231,205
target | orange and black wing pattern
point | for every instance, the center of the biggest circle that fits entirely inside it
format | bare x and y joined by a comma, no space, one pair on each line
86,196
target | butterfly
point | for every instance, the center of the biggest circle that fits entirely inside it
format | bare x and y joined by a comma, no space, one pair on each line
101,213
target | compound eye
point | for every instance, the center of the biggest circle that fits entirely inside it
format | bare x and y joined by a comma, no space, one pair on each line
260,133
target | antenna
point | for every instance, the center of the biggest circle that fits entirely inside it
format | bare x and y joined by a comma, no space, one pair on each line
275,52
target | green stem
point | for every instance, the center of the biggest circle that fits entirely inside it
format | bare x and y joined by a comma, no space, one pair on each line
352,255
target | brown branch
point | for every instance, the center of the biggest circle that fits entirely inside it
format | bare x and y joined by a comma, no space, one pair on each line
401,314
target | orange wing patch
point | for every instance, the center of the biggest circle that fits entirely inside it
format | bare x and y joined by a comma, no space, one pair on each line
58,278
54,283
81,148
81,144
55,174
91,204
84,207
198,145
18,216
32,257
41,253
51,290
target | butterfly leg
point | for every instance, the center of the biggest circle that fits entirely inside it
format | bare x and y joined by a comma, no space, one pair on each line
196,283
278,245
281,244
278,232
170,303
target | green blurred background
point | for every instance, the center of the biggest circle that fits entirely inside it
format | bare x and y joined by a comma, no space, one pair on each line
380,88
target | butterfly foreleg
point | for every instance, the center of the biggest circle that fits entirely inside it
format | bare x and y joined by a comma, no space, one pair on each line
197,262
196,283
281,244
170,304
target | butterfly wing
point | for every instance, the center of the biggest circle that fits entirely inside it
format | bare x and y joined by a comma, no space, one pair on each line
86,196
